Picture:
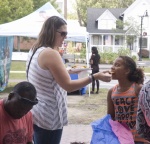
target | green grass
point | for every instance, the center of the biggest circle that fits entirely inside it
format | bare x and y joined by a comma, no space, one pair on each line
18,66
17,76
145,59
21,66
147,69
9,88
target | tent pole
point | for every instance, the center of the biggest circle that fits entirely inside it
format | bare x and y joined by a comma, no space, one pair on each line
87,59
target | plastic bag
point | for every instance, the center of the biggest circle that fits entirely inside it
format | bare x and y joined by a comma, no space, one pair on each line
102,132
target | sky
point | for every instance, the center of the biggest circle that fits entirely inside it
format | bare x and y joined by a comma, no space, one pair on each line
70,5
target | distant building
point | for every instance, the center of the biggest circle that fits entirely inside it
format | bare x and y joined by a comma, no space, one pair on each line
105,32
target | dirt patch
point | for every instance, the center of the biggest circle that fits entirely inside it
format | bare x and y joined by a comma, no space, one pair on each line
83,110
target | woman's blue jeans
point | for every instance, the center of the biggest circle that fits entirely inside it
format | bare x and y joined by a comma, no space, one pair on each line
43,136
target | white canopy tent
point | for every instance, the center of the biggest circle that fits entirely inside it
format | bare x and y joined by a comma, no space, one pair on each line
31,25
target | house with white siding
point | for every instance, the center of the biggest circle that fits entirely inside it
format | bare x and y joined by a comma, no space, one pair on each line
106,34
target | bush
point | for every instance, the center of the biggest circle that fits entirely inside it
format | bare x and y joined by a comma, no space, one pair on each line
144,53
108,57
134,57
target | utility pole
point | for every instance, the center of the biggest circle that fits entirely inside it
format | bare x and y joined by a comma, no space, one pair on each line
141,34
65,9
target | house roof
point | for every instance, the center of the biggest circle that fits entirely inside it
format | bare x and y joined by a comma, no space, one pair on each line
108,12
134,4
94,13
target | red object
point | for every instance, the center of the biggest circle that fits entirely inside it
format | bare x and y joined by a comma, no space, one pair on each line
144,33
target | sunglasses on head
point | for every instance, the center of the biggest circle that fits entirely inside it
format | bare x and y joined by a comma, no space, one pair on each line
63,34
26,100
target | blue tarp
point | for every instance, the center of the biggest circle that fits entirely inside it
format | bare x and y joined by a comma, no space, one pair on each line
102,132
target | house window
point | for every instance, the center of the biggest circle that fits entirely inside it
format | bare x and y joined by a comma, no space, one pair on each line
144,42
96,40
106,24
107,40
118,40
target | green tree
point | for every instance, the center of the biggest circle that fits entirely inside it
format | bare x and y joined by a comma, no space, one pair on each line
13,9
81,7
38,3
72,16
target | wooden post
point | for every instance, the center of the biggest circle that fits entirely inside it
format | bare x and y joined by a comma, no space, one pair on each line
65,9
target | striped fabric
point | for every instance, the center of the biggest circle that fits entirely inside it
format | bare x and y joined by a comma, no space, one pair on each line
51,111
125,104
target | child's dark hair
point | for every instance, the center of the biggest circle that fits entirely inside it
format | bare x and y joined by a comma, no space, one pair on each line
25,87
135,74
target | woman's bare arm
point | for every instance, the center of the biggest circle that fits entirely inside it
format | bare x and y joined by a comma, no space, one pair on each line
50,59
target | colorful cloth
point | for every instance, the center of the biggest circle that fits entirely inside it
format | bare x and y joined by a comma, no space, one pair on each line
143,114
122,132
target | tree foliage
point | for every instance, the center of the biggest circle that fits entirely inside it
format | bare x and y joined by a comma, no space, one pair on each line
38,3
81,7
13,9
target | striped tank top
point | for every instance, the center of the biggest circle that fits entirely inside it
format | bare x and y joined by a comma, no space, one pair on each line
125,105
51,111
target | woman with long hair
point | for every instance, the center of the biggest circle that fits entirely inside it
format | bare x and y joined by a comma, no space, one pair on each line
47,72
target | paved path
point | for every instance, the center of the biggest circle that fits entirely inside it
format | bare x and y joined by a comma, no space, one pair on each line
76,133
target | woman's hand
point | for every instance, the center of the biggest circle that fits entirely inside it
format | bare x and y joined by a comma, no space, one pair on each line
103,76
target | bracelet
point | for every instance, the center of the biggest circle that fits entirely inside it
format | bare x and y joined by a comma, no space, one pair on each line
91,77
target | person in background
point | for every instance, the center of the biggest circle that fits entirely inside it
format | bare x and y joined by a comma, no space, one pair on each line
61,52
16,124
122,99
47,72
94,62
143,113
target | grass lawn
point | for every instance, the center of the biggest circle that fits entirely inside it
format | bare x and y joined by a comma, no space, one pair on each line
17,76
18,66
21,66
147,69
9,87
